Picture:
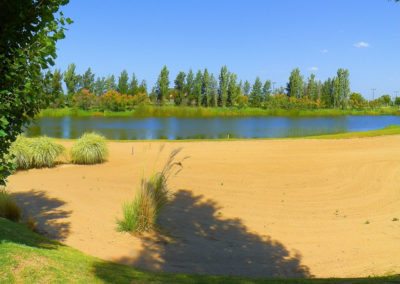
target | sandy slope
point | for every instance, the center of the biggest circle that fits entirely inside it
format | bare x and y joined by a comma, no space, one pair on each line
262,208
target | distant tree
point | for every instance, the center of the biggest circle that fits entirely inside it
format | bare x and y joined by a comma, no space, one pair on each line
179,87
386,100
295,85
232,93
162,86
88,80
110,83
311,88
123,85
213,95
327,93
223,86
197,87
57,89
357,101
189,84
256,93
71,79
341,88
100,86
267,90
142,87
133,88
397,101
246,88
205,88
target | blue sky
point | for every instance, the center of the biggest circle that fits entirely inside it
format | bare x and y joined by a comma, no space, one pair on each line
252,37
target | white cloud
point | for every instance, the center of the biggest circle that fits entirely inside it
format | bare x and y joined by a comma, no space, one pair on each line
313,69
361,44
324,51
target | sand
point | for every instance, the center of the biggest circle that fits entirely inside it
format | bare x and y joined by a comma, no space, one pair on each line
277,208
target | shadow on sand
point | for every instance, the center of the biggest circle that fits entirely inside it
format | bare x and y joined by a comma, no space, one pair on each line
197,241
46,212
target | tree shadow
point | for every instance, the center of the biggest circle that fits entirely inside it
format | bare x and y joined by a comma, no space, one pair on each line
196,240
46,213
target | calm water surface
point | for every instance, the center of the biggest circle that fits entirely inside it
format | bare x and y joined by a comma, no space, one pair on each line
186,128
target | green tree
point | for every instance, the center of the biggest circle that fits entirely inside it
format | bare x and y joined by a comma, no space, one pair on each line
357,101
267,90
223,86
341,88
142,87
256,93
133,85
295,85
189,85
162,86
205,88
72,80
312,88
29,31
88,80
232,92
57,89
123,85
327,93
246,88
180,87
197,86
213,95
110,83
100,86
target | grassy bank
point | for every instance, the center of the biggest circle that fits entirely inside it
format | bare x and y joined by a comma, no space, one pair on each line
173,111
26,257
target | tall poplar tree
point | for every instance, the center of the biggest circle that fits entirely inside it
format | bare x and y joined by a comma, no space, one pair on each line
133,85
123,80
295,85
256,93
246,88
267,90
180,87
88,80
162,86
223,86
197,86
205,88
232,90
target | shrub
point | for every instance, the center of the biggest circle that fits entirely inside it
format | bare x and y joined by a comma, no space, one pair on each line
91,148
141,214
22,152
45,152
8,208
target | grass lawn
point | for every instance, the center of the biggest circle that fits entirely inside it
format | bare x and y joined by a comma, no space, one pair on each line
26,257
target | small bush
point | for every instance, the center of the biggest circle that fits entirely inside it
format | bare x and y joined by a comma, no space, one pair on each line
141,214
45,152
22,152
91,148
8,208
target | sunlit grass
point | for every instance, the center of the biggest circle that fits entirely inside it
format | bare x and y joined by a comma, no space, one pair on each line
91,148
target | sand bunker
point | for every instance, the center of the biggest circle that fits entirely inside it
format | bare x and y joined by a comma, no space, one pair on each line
291,208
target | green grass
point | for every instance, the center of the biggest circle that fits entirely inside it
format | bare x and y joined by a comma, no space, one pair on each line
26,257
8,208
142,213
91,148
174,111
389,130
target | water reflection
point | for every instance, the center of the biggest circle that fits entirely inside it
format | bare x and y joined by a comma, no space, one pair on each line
201,128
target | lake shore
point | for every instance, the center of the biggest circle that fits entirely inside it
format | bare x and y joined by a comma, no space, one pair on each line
199,112
281,207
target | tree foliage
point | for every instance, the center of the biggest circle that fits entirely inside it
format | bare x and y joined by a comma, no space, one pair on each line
29,30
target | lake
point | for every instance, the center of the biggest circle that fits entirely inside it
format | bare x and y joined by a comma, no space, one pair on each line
205,128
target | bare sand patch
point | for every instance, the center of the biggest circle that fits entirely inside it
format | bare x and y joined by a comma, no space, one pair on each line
294,208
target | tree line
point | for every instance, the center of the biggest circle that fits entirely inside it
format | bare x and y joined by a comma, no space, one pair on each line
201,89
